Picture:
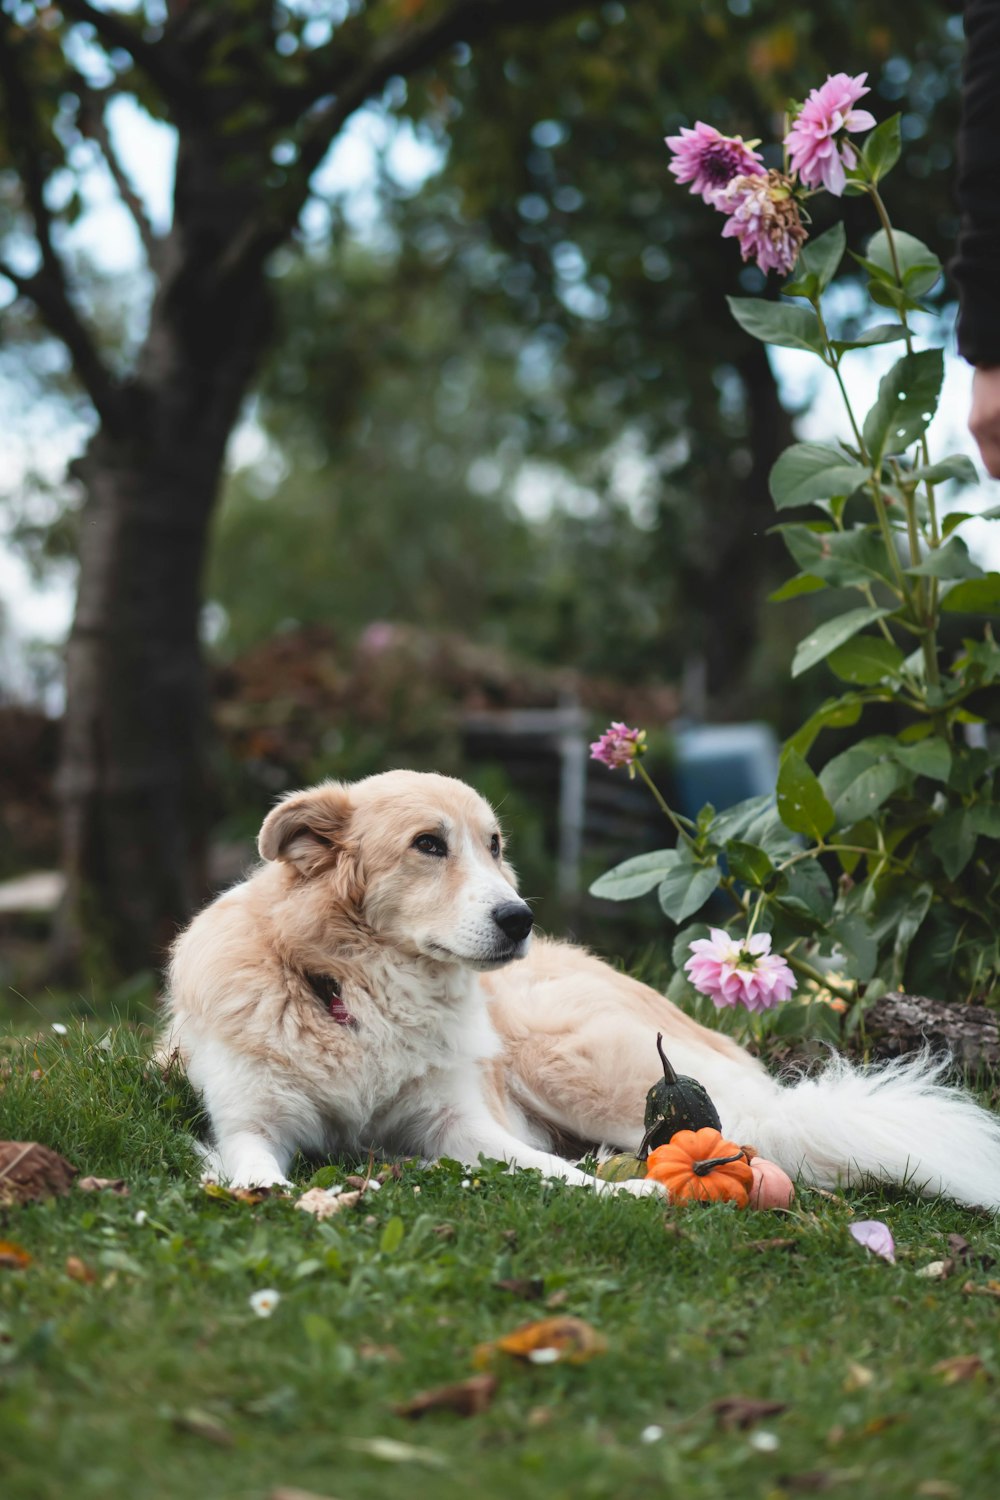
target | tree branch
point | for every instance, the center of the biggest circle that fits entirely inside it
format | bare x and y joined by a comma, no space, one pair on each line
117,32
48,288
93,124
410,49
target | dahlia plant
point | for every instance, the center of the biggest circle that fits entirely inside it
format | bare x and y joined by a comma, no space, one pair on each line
877,867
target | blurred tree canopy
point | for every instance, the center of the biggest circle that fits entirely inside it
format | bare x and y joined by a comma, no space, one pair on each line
547,297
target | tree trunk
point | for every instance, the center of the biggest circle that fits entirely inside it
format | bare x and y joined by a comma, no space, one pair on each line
133,778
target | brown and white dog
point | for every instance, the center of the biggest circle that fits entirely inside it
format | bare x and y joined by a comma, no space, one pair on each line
373,986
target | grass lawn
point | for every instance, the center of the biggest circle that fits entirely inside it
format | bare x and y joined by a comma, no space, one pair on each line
157,1378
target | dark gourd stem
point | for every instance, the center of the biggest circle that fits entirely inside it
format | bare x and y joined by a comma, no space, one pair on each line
668,1071
703,1167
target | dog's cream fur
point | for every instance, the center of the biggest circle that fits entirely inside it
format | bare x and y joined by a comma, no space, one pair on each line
468,1040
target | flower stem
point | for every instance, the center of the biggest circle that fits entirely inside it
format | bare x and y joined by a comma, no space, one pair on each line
663,805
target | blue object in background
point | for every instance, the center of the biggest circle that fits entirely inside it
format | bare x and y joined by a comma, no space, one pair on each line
723,764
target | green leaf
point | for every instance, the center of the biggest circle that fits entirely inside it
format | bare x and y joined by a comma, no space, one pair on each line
835,713
635,876
817,264
953,839
831,634
392,1236
908,924
778,323
951,560
976,596
687,888
867,792
880,152
930,757
893,296
918,265
748,862
907,400
802,803
985,819
843,558
802,583
810,471
867,659
881,333
806,890
955,466
858,947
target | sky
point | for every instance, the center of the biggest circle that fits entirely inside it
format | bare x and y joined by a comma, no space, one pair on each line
36,436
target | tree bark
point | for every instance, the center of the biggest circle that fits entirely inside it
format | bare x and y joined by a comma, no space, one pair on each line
133,781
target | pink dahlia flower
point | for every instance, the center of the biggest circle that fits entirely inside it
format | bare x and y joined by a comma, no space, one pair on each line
739,973
764,218
619,746
710,161
814,151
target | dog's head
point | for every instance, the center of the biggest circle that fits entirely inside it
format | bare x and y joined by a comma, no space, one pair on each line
417,858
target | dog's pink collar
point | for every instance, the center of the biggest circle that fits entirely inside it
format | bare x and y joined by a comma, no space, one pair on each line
327,990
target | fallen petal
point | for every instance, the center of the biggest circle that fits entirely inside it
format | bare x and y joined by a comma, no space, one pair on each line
874,1236
466,1397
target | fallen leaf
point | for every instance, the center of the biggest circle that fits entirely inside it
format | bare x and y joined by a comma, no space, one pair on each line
936,1270
13,1257
467,1398
741,1412
539,1416
323,1203
558,1299
960,1367
202,1424
963,1251
531,1288
116,1185
830,1197
780,1242
564,1340
391,1451
879,1424
874,1236
975,1289
444,1232
674,1230
939,1489
858,1377
78,1270
284,1493
251,1196
29,1171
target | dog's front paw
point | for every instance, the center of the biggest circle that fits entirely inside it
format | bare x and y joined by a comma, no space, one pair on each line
642,1187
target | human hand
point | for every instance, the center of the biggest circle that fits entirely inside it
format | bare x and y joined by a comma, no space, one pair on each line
984,416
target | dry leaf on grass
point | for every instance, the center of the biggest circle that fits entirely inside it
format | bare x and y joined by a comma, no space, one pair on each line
974,1289
858,1377
250,1196
531,1288
936,1270
960,1367
323,1203
391,1451
13,1257
467,1398
960,1248
78,1270
202,1424
562,1340
284,1493
116,1185
741,1412
780,1242
29,1171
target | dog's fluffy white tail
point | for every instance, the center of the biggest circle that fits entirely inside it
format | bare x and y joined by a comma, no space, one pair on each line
893,1123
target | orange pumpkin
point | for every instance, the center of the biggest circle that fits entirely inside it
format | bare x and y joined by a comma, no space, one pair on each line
700,1165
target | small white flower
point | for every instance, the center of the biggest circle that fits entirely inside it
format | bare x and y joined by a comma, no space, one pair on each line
466,1182
59,1028
544,1356
264,1302
765,1442
416,1190
106,1044
140,1216
651,1434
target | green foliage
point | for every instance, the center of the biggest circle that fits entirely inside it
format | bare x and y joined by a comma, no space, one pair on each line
893,875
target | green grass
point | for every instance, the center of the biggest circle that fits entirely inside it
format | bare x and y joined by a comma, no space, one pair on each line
98,1382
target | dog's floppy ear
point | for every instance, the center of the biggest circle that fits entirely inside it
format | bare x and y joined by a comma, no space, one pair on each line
307,829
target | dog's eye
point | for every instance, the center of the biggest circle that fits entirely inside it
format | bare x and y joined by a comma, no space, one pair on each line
429,843
495,846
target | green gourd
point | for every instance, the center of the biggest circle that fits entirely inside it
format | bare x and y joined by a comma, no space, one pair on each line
675,1102
621,1168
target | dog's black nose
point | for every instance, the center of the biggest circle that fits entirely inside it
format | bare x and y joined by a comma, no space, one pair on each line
514,919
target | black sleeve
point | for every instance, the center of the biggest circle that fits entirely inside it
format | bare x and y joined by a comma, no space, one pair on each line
976,267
